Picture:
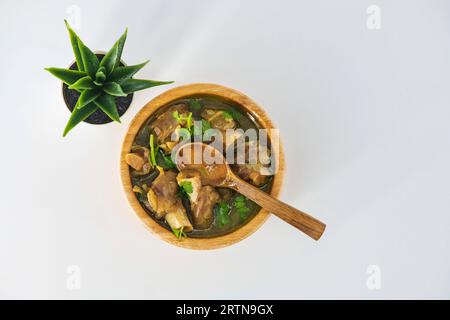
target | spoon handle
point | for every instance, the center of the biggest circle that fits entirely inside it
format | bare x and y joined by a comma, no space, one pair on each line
301,220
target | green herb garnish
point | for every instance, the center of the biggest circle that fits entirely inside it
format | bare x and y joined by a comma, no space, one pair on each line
181,119
177,116
99,81
195,104
240,203
179,233
201,127
223,213
189,122
165,160
153,150
187,186
227,115
185,189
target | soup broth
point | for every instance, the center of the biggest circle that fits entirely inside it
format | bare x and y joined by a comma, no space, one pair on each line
175,199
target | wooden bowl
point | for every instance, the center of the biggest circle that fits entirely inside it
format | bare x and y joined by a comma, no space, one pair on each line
204,89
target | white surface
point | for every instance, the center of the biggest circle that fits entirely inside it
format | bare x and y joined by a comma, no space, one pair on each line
364,115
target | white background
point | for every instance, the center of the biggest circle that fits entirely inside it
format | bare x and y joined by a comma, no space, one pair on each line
364,116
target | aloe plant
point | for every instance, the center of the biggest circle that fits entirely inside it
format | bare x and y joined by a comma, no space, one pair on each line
99,82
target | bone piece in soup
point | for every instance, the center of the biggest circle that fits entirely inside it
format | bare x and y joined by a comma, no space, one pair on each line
166,123
138,160
202,199
163,199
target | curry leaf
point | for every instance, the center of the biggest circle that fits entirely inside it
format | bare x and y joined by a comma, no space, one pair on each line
87,96
90,60
121,74
132,85
107,104
76,50
66,75
109,60
114,89
83,83
79,115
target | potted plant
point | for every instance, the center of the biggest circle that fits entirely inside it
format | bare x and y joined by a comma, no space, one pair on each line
98,87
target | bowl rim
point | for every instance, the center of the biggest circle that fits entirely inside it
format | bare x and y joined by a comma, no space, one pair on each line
150,108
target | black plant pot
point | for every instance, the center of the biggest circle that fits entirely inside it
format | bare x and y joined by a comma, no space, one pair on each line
98,117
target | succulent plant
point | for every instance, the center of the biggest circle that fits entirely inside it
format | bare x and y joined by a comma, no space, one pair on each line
99,82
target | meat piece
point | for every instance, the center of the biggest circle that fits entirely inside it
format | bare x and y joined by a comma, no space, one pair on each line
193,178
163,199
202,199
222,120
219,119
202,209
138,160
166,123
225,193
135,161
252,172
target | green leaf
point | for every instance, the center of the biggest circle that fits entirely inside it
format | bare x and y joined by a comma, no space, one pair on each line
201,126
152,155
66,75
227,115
88,96
79,115
109,60
165,160
76,50
132,85
240,203
187,186
195,104
114,89
120,44
121,74
107,104
179,233
90,60
100,76
83,83
223,213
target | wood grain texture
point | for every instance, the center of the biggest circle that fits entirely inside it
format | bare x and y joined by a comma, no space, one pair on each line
299,219
187,91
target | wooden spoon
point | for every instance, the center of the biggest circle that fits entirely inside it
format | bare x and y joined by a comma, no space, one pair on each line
191,156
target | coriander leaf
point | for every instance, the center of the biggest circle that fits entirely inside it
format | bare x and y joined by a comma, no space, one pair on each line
195,104
152,155
240,204
165,161
223,213
187,186
179,233
227,115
